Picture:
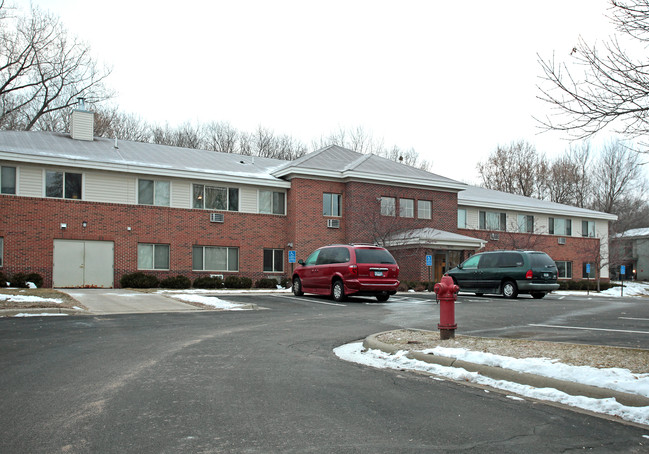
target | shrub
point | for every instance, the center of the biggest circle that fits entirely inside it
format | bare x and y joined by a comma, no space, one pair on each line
208,282
237,282
177,282
246,282
285,282
139,280
403,287
3,279
20,280
266,283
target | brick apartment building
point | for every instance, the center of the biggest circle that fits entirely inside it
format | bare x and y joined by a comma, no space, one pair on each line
83,211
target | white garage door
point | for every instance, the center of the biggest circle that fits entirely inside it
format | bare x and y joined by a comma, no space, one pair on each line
79,263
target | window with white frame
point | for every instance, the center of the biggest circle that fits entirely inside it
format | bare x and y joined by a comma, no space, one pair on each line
62,185
7,180
272,202
388,206
588,229
406,208
152,256
461,218
525,223
153,192
424,209
331,204
491,220
213,258
564,269
560,226
274,260
215,198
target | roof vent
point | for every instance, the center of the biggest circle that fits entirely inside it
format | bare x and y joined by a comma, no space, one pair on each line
82,123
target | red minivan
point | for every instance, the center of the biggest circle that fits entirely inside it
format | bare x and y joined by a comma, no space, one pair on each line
342,270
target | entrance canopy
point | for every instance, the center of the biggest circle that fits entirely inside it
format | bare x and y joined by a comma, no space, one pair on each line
434,239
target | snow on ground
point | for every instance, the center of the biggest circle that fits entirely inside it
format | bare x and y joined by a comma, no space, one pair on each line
355,352
224,291
28,299
631,288
212,301
44,314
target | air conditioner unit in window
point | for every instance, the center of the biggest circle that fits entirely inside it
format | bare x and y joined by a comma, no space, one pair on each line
216,217
333,223
220,276
494,236
562,241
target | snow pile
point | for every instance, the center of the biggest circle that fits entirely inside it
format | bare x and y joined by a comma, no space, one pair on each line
631,288
29,299
613,378
354,352
44,314
212,301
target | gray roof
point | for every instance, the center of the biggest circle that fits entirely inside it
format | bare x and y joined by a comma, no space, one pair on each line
338,162
431,237
488,198
640,233
137,157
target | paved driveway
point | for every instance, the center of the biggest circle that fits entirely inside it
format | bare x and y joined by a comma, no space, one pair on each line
121,301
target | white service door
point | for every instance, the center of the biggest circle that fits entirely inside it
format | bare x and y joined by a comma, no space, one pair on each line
79,263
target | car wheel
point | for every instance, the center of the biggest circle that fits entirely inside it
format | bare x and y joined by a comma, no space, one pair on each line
382,297
510,290
297,287
538,295
338,291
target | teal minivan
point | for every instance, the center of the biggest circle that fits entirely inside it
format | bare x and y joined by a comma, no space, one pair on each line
508,273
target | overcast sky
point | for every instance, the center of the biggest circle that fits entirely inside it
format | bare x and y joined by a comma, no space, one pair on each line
450,79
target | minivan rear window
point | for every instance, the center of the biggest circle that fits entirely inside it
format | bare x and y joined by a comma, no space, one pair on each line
511,259
541,259
374,256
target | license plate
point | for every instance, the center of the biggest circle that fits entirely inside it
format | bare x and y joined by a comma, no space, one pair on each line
546,275
378,273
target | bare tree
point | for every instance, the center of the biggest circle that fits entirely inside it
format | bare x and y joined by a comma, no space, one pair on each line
602,87
221,137
516,168
111,123
43,71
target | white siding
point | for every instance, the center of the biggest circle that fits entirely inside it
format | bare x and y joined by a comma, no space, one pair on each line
109,187
248,200
30,181
181,194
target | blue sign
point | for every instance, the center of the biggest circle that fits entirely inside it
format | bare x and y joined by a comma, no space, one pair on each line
291,256
429,260
622,269
587,268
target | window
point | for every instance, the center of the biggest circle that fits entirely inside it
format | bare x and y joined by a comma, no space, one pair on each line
152,256
216,198
406,208
333,255
592,274
491,220
559,226
62,184
388,206
331,204
271,202
564,270
588,228
2,254
274,260
210,258
7,180
471,263
461,218
525,223
424,209
150,192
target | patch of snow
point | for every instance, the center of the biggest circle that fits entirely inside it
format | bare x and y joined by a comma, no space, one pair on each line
31,285
44,314
355,352
631,288
29,299
211,301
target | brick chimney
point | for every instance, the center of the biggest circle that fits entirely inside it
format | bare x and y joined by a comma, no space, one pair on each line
82,123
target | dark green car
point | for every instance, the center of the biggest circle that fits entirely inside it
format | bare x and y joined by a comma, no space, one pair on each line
508,273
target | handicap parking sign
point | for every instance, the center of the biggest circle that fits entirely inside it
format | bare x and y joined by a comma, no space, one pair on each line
622,269
429,260
291,256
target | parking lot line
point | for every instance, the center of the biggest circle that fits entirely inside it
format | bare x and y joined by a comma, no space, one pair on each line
591,329
310,300
633,318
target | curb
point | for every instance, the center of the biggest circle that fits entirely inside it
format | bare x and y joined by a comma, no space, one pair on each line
41,310
498,373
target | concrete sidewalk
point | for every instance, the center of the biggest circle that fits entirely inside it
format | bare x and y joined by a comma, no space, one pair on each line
121,301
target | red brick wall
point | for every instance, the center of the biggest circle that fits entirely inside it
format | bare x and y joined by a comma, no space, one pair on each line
29,226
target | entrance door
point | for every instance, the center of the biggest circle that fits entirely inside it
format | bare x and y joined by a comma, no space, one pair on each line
79,263
440,266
